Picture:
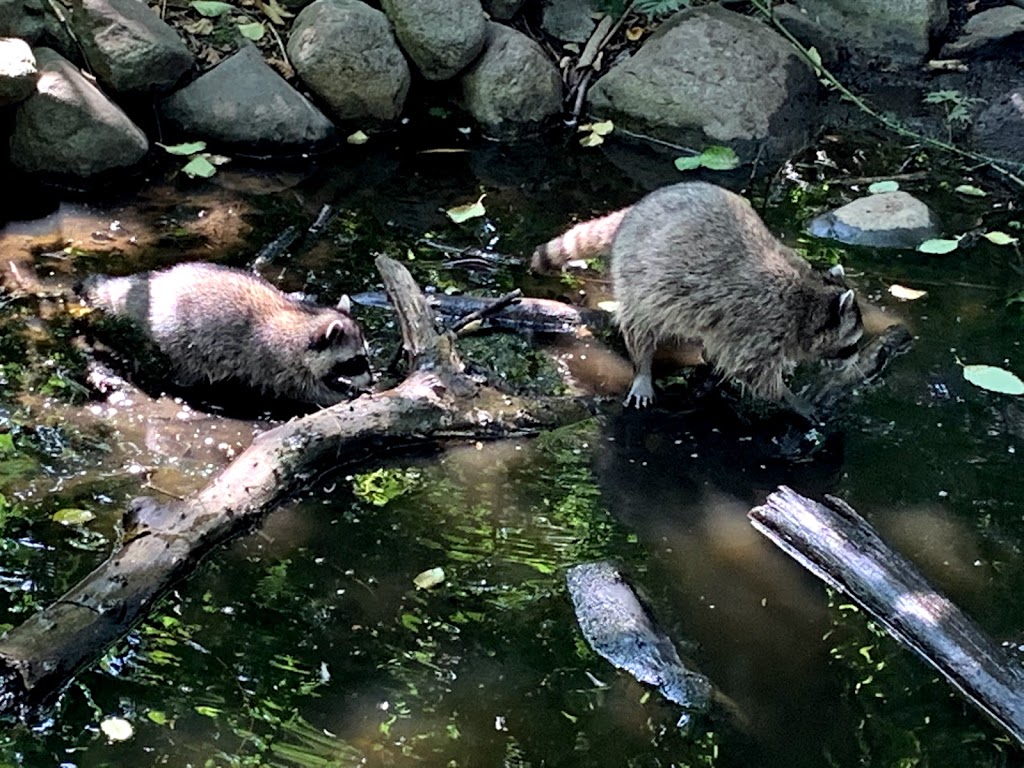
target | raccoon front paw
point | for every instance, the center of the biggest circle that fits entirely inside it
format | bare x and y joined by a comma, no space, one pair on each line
641,394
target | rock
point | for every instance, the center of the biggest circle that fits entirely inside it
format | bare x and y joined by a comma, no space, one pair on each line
244,103
129,48
886,220
711,76
502,10
989,33
873,29
22,18
999,130
810,33
17,71
68,126
441,36
513,88
571,21
346,52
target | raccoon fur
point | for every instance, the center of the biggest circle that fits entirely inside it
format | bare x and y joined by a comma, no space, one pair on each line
217,324
693,261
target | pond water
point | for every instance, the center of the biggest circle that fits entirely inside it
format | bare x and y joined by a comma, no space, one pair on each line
306,643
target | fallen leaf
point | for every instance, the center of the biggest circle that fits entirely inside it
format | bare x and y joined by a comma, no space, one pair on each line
994,379
967,189
883,186
117,729
429,578
592,140
72,516
357,138
938,245
909,294
999,238
199,166
461,213
189,148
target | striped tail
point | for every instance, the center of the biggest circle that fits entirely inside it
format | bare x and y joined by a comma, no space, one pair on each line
586,240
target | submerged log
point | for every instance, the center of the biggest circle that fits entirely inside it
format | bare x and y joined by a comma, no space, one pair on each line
621,631
842,549
165,541
541,315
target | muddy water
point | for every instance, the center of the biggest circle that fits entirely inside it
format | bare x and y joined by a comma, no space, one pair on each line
306,642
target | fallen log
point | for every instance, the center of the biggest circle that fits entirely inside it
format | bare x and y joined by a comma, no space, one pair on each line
165,541
838,546
526,314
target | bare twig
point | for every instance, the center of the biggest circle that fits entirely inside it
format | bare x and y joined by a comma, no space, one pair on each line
509,298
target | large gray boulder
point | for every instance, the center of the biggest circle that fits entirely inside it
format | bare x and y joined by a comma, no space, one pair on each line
711,76
441,36
571,21
346,53
990,33
244,103
129,48
513,88
68,126
891,29
35,22
17,71
999,130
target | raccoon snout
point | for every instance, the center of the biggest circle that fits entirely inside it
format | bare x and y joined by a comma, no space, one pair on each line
353,373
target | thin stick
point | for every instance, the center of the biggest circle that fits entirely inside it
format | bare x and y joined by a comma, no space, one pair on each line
509,298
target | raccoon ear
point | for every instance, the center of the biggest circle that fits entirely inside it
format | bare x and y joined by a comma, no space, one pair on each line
845,301
327,335
345,304
837,271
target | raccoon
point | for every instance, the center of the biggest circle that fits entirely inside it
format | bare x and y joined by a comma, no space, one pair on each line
216,324
693,261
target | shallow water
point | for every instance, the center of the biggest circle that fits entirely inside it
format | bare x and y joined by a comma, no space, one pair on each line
306,643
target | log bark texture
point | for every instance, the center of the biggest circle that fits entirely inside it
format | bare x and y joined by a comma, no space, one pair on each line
165,541
841,548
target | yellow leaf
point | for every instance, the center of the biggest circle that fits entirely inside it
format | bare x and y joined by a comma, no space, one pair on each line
603,128
358,138
429,578
634,33
908,294
591,140
461,213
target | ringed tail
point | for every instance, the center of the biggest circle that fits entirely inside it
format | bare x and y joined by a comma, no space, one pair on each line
586,240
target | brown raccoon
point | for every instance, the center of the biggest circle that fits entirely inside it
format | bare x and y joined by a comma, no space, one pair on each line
694,261
216,324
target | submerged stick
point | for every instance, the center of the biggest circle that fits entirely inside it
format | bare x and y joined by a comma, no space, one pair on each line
838,546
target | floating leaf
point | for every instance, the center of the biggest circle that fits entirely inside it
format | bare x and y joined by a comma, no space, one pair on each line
883,186
592,140
967,189
994,379
208,711
212,8
72,516
217,159
189,148
461,213
713,158
357,138
199,166
158,717
909,294
252,31
429,578
634,33
999,238
603,128
117,729
938,245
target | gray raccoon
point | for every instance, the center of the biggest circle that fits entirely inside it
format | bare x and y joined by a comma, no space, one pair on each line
216,324
693,261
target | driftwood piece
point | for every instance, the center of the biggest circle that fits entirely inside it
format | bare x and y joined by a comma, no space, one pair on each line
164,541
620,630
526,314
834,384
841,548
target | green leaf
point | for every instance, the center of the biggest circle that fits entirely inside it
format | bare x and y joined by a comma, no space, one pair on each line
189,148
429,578
994,379
713,158
72,516
719,158
158,717
208,711
938,245
999,238
883,186
461,213
967,189
252,31
212,8
199,166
